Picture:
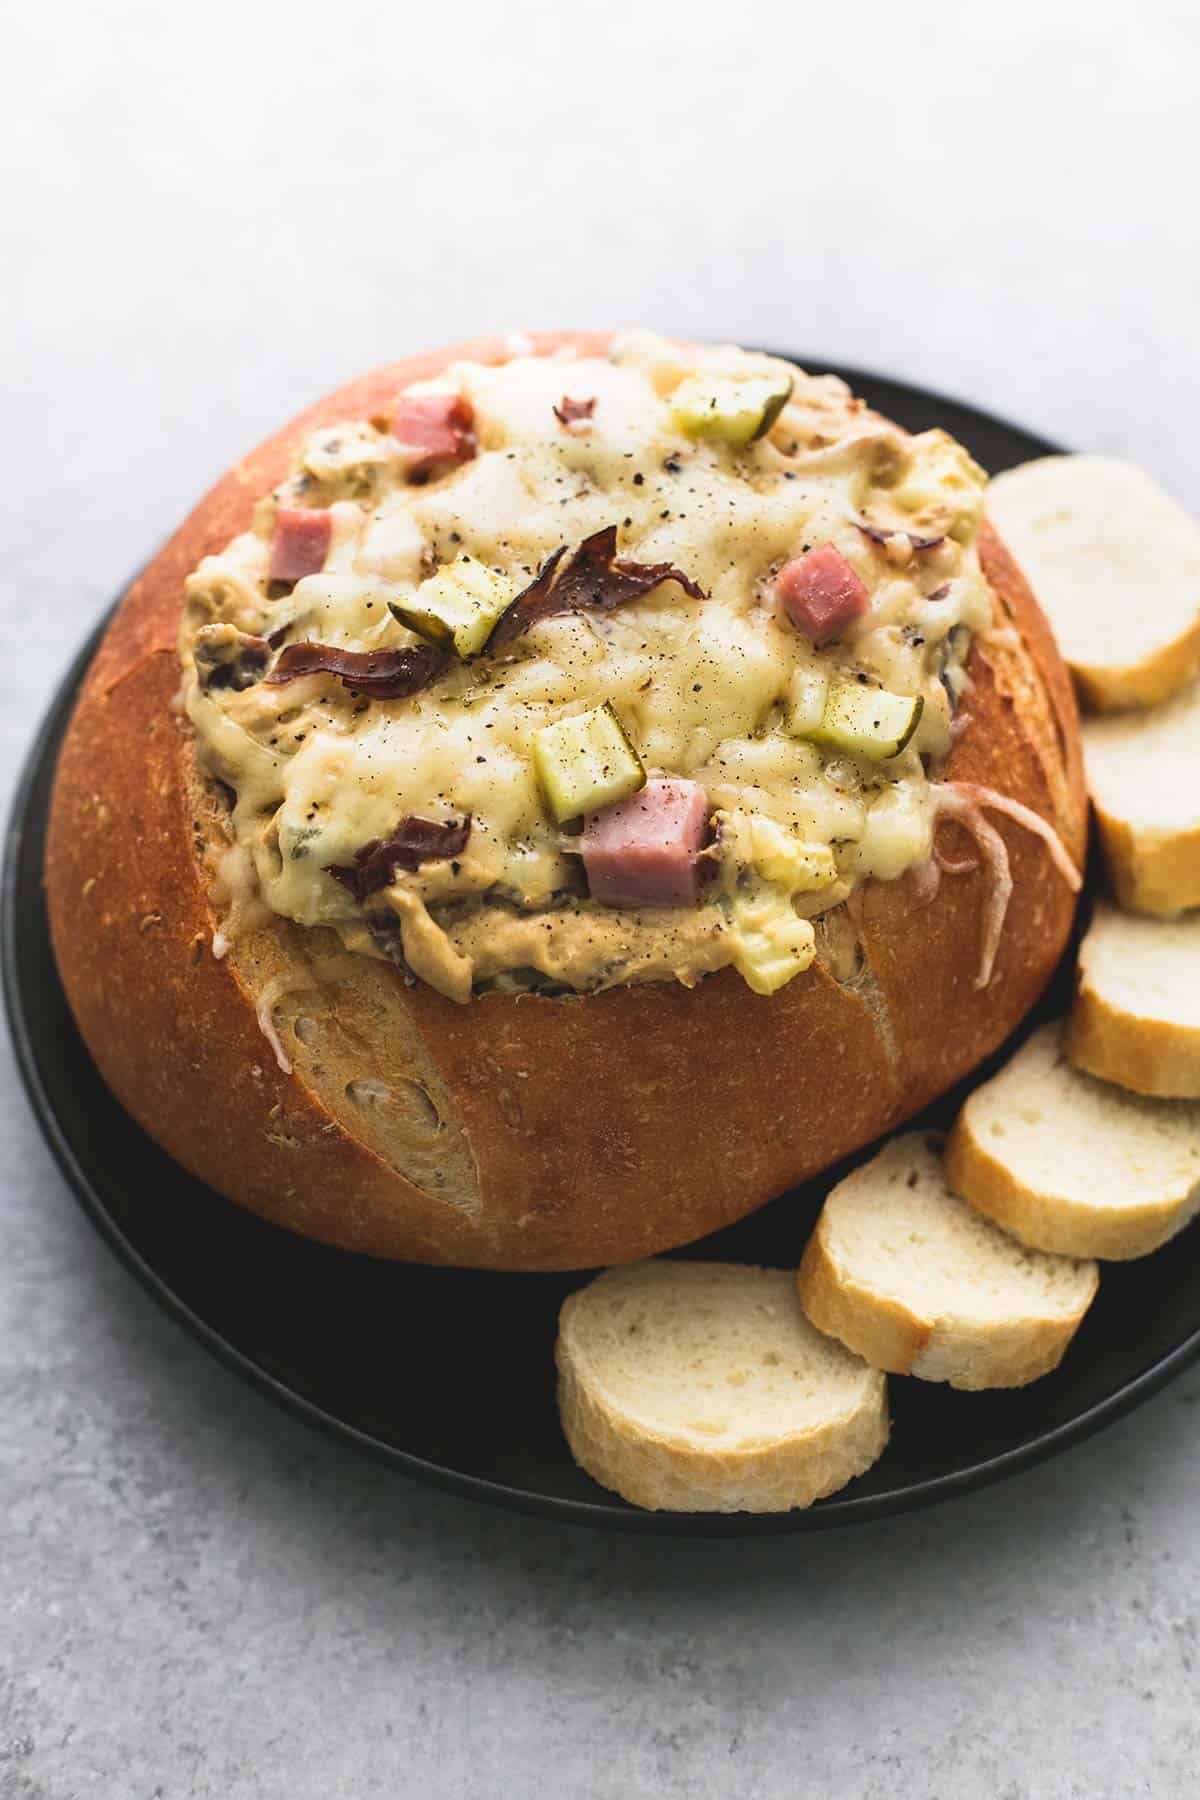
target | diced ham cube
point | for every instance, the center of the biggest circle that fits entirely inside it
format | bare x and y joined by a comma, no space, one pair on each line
300,543
821,594
644,851
437,428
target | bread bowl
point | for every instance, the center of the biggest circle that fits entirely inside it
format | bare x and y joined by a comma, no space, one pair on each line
319,1086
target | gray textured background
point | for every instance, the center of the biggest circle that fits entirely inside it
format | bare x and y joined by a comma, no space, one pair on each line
211,215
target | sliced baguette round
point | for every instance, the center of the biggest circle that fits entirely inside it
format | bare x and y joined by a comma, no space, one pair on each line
907,1276
701,1387
1116,564
1136,1017
1072,1164
1141,771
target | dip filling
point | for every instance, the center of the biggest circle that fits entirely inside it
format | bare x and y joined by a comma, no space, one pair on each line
578,671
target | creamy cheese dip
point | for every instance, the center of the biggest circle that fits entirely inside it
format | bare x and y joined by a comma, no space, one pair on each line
711,690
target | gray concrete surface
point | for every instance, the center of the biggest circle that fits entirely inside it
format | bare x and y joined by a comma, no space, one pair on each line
210,215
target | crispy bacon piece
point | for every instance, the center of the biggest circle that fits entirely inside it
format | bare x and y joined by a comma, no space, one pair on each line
414,841
570,412
378,674
299,543
438,428
595,578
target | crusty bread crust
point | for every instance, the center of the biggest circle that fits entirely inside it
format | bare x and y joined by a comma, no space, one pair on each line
514,1132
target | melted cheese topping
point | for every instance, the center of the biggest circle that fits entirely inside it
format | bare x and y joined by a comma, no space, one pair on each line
702,687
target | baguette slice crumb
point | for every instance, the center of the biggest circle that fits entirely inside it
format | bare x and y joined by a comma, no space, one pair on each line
1136,1016
914,1281
1141,771
1116,565
1072,1164
701,1387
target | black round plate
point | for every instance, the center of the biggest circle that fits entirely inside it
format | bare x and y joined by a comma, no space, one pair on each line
448,1373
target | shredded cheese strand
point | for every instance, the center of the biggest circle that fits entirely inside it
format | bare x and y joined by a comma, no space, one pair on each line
964,801
268,1000
926,880
1025,815
957,805
949,866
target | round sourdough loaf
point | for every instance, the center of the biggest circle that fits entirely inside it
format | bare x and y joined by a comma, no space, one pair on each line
519,1132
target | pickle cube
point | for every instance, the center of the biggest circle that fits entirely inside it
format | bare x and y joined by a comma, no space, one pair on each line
586,762
733,410
458,607
868,721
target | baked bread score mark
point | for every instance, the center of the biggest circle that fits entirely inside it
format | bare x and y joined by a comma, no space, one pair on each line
573,672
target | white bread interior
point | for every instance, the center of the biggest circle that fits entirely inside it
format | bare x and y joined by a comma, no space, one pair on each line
907,1275
1142,775
701,1387
1075,1165
1116,565
1136,1017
